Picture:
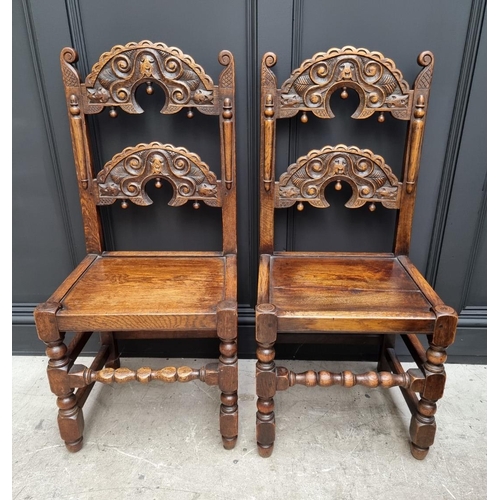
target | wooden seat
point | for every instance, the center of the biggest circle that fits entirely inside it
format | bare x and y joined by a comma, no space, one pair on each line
145,294
317,294
331,294
191,286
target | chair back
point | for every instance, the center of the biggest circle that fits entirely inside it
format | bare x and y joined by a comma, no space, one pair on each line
381,89
112,84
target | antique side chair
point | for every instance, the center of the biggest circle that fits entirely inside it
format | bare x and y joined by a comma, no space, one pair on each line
145,294
341,293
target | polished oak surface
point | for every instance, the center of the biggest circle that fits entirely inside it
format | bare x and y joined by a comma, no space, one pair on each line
129,293
347,287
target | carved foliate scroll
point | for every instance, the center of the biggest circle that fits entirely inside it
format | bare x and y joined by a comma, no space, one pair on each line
370,178
128,172
379,84
115,78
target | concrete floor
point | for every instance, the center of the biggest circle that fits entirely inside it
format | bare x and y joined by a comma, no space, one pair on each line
159,441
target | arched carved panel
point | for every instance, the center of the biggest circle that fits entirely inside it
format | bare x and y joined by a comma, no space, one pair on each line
379,84
128,172
116,76
370,178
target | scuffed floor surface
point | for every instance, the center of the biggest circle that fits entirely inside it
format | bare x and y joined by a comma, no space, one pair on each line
161,441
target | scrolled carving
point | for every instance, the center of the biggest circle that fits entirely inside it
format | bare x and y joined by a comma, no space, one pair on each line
226,78
424,79
70,75
127,173
116,76
375,78
367,174
267,76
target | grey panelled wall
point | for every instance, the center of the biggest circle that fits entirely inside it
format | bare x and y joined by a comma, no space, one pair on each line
449,236
461,265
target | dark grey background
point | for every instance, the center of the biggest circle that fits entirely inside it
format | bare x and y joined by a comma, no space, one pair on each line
449,234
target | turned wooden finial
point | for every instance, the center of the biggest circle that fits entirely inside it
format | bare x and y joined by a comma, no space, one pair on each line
158,183
381,117
190,113
74,108
300,206
304,118
124,204
196,205
344,93
149,89
228,109
372,207
338,185
112,112
420,111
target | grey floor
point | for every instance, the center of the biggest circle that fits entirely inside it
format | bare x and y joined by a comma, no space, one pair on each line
159,441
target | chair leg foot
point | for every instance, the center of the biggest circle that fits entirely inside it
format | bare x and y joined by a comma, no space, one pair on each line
417,452
75,446
265,427
70,421
229,429
229,420
423,428
229,443
265,451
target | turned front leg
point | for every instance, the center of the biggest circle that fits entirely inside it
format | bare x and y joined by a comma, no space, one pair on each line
266,379
227,329
70,415
423,422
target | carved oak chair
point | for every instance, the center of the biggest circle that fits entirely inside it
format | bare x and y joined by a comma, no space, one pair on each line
318,293
136,294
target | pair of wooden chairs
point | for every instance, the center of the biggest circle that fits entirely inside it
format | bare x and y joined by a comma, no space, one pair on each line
143,295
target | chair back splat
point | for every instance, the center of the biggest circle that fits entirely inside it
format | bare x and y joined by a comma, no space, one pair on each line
343,293
145,294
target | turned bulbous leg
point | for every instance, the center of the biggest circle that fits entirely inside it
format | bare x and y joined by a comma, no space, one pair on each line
423,422
266,378
228,384
70,415
227,328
